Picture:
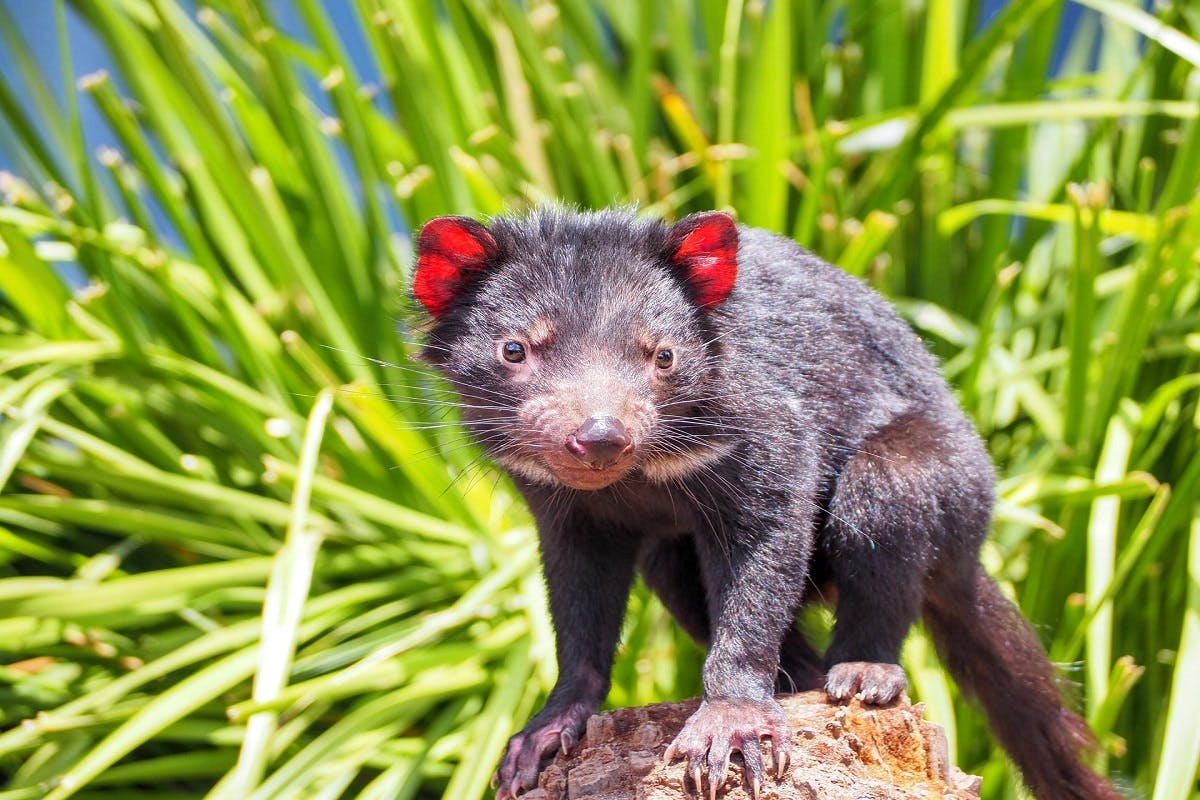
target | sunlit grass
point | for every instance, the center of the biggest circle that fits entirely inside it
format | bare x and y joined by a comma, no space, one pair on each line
220,439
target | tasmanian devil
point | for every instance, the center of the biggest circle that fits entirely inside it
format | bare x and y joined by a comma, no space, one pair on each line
720,411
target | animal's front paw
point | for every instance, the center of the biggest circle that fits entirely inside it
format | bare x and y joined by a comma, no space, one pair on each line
546,734
876,684
720,728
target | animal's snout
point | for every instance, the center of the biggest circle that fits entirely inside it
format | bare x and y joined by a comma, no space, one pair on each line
600,441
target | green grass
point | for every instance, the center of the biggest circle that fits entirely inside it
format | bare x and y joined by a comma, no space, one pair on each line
220,439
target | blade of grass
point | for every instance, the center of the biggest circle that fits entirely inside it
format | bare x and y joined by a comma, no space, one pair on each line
1181,742
1102,557
727,98
283,609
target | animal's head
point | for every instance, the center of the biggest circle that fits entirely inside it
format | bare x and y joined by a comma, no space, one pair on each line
580,344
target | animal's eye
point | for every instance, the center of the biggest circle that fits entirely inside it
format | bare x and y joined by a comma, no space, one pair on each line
665,359
513,352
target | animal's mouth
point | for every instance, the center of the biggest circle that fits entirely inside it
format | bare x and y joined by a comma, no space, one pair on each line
565,470
579,475
585,454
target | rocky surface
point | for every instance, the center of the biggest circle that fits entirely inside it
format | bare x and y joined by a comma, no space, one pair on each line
840,752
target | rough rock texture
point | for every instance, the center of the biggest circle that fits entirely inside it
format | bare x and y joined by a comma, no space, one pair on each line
840,752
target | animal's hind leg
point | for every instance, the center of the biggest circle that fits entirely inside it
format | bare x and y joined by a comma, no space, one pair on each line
800,666
671,569
919,489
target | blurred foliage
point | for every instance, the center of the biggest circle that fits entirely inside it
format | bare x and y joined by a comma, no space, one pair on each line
211,435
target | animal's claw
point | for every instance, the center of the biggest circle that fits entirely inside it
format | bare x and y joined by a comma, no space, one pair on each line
753,760
545,735
874,683
721,727
783,760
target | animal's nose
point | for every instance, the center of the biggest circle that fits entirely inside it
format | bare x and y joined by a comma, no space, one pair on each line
600,441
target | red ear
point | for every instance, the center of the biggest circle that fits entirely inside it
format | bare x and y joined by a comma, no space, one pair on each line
703,247
449,251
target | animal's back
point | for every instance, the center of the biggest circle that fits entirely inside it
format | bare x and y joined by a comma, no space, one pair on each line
826,340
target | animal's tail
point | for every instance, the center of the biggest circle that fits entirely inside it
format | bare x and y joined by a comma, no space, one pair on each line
996,657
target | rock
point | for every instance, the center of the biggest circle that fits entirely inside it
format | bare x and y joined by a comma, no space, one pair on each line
839,752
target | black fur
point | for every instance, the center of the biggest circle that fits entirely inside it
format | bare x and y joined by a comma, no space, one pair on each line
823,444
